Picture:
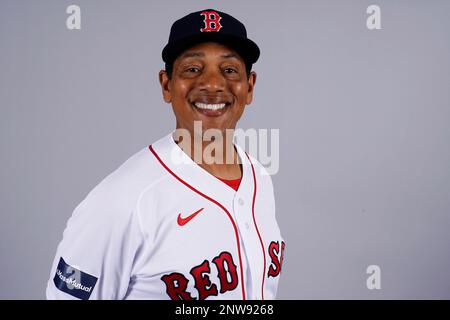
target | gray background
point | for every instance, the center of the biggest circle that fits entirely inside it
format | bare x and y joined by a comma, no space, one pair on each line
363,117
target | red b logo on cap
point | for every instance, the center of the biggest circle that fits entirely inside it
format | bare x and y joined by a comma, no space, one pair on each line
211,21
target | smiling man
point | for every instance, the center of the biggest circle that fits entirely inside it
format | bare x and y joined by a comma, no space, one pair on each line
208,84
179,219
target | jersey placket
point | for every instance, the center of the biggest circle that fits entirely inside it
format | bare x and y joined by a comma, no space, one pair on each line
250,242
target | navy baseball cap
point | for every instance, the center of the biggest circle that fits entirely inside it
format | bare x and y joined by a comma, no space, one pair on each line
205,26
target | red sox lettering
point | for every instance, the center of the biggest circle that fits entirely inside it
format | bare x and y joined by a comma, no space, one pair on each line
177,283
277,258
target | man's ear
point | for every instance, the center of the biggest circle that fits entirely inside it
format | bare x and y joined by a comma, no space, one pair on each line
251,86
165,81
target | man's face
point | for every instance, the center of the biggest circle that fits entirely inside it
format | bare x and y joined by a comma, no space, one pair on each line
209,84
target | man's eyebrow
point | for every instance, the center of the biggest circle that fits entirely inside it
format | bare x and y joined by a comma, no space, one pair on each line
199,54
230,55
192,54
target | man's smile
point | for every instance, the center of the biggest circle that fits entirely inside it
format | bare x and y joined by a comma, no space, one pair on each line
210,109
216,106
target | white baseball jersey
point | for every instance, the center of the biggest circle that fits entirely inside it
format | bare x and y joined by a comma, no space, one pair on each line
161,227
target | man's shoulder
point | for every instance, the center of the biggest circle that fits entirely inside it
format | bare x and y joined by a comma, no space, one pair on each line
123,186
136,172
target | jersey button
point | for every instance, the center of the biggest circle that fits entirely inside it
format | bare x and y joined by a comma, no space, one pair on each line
247,225
241,201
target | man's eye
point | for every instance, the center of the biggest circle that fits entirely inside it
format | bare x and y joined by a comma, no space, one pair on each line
230,70
193,69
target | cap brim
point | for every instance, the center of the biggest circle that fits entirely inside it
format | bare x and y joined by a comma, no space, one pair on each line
246,48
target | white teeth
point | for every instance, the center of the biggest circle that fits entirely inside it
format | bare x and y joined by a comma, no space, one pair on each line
217,106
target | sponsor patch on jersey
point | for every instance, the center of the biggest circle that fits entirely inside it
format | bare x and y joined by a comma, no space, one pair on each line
73,281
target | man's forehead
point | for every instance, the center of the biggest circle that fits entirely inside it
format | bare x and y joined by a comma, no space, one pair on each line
204,49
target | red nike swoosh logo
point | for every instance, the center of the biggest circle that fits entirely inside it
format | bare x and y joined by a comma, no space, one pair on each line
182,221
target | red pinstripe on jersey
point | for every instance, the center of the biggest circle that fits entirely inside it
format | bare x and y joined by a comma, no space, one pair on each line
256,226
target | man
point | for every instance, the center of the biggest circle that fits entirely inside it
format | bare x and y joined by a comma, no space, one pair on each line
176,221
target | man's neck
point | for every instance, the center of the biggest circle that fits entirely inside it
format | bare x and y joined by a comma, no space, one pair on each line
218,157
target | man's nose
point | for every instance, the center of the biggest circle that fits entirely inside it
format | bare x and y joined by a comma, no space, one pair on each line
212,81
